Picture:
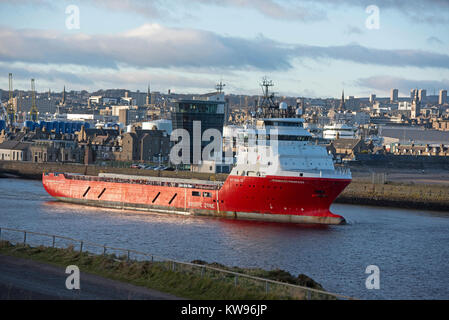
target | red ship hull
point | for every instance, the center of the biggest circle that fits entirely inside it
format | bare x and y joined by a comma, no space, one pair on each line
271,198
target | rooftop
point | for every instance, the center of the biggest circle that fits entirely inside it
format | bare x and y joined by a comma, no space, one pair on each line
14,145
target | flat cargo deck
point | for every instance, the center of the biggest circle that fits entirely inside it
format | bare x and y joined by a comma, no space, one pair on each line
161,179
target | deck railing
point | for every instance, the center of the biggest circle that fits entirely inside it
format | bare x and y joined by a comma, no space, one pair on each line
277,288
143,181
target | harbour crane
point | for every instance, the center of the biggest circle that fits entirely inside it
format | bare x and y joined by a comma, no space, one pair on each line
11,115
4,113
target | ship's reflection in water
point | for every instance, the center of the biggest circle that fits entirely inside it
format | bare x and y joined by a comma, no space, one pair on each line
410,247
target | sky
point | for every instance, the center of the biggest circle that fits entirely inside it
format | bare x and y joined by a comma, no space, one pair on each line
307,48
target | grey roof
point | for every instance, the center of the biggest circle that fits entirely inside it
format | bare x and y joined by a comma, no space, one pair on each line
345,143
416,135
102,131
14,145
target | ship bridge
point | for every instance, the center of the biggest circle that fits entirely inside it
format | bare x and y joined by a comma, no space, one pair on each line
281,146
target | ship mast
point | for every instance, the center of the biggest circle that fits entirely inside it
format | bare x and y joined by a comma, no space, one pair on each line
268,98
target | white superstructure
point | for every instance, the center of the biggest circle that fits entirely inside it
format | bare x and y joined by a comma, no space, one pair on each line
282,147
339,130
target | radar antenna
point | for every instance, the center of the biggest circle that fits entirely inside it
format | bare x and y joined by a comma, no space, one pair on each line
268,98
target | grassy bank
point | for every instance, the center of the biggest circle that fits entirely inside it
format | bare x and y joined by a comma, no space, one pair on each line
180,281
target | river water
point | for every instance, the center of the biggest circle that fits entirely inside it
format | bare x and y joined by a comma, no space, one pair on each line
410,247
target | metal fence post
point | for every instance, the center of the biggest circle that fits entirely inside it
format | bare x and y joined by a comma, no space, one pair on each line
24,237
53,245
235,280
308,297
81,246
104,250
202,271
127,259
266,287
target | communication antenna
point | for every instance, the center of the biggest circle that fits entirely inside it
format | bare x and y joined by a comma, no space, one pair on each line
220,86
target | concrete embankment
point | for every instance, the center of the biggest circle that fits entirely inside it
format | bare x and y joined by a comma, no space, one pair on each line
402,188
414,196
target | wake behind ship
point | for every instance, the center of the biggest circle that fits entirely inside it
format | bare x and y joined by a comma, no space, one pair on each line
282,177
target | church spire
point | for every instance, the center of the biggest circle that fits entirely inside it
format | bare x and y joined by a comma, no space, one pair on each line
342,102
62,102
148,95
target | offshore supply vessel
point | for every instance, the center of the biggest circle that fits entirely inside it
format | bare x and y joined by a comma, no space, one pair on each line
279,175
283,179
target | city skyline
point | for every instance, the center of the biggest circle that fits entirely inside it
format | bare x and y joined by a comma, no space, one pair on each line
314,49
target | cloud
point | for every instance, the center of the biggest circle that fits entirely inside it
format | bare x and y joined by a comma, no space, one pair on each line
282,10
365,55
151,45
79,78
430,11
146,8
289,10
353,30
34,3
434,41
385,83
24,73
155,46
